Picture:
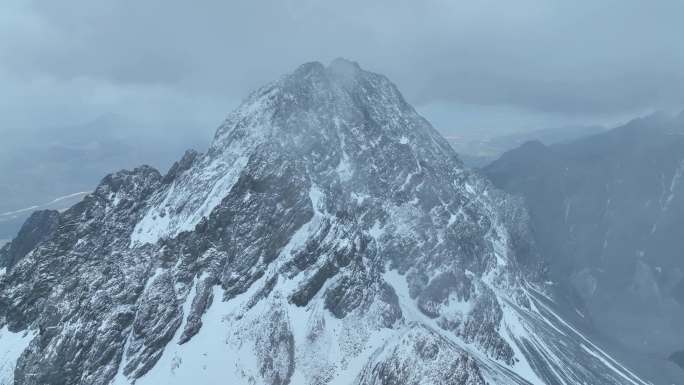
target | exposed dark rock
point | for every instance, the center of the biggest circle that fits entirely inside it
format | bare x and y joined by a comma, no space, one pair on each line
37,228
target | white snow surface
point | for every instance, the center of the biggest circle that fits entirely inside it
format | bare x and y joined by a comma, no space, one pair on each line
181,208
194,194
674,183
226,348
11,347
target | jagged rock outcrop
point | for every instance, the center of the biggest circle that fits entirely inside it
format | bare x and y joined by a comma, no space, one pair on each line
37,228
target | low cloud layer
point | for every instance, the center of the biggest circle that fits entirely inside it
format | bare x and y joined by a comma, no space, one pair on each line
180,65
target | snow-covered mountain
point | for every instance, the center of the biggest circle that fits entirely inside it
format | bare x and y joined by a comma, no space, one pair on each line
328,236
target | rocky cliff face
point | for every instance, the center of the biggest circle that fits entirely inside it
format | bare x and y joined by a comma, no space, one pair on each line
328,236
608,212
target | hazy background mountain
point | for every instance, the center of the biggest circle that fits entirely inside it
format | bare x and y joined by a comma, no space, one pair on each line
608,212
44,169
479,150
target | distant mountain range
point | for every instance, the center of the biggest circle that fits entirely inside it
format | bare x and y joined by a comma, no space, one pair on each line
480,152
48,170
608,213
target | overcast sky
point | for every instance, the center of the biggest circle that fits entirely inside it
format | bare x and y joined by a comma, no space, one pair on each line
483,65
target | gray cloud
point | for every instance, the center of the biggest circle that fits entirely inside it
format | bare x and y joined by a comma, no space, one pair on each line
190,62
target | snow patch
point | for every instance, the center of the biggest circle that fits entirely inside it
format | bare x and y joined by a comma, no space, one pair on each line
11,347
673,185
608,363
170,218
209,355
344,169
515,331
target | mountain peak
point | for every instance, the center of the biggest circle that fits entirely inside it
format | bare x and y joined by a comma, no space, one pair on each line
339,67
339,74
344,68
326,102
337,121
309,68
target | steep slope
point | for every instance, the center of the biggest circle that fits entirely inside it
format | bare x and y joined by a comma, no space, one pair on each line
608,211
328,236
